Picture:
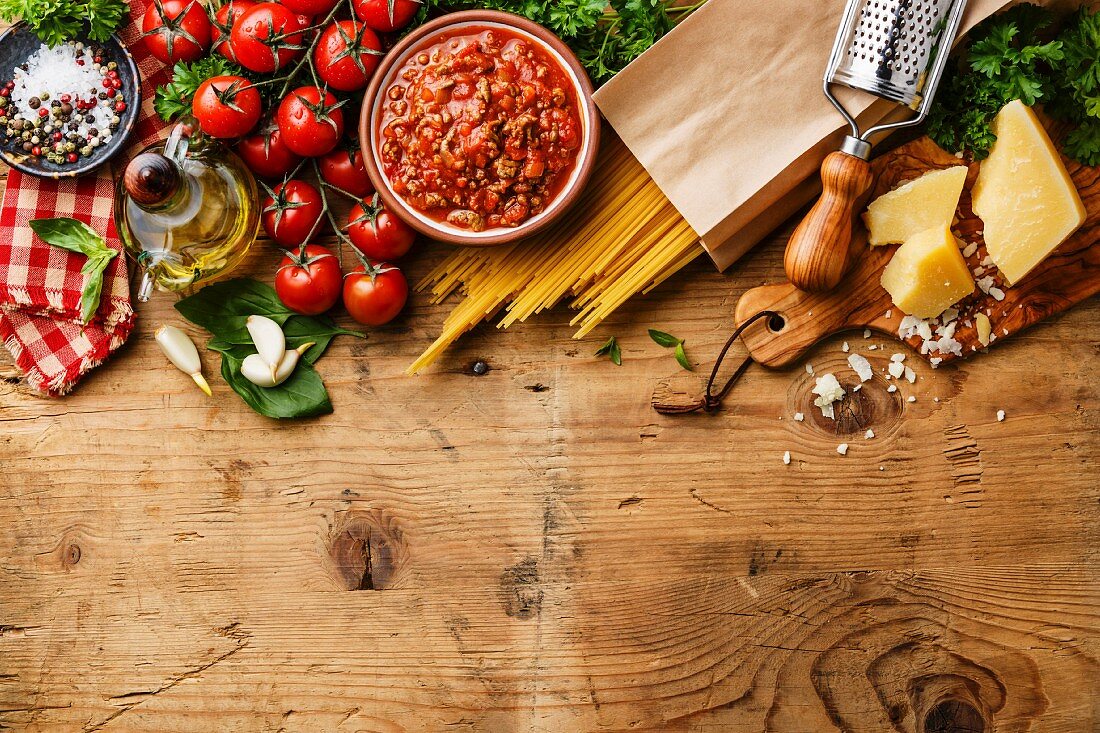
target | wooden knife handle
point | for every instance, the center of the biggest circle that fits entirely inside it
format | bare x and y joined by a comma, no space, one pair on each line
818,252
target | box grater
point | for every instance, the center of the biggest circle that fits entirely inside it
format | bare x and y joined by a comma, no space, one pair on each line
895,50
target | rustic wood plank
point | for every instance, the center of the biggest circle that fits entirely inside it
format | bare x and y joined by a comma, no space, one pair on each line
537,550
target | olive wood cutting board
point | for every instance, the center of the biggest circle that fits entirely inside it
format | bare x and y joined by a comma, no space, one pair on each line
1068,276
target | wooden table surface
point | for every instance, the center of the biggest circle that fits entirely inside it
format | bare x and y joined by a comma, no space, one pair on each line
536,549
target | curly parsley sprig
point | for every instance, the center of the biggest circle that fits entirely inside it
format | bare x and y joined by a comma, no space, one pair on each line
1013,56
57,21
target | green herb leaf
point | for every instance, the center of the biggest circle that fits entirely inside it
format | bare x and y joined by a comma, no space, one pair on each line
611,349
303,394
224,307
664,339
57,21
76,236
682,357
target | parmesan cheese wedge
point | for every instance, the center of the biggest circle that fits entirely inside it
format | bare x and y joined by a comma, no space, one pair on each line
1024,194
928,275
922,203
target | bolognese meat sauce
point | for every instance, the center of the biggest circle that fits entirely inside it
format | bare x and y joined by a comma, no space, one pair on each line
480,129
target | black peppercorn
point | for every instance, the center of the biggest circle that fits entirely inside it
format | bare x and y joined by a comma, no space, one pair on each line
89,119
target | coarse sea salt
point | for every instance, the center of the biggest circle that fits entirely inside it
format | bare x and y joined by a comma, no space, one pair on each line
786,458
55,71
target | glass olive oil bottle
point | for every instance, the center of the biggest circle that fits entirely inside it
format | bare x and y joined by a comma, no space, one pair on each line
187,211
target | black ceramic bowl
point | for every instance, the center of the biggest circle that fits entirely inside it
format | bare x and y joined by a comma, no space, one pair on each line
17,44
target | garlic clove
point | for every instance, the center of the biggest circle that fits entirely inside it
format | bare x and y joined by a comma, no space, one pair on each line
268,337
255,370
181,351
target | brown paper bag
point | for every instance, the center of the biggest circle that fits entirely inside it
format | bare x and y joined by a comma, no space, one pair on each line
727,114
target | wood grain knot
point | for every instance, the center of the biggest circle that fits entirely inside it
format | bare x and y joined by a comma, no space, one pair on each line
870,406
520,592
366,551
71,555
954,716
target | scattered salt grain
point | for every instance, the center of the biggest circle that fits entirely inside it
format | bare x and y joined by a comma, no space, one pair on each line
910,398
890,313
935,361
810,369
786,458
799,417
842,449
860,366
872,347
866,333
869,434
844,347
892,388
1000,415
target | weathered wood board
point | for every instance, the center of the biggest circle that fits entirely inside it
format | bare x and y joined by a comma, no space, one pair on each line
1070,275
536,550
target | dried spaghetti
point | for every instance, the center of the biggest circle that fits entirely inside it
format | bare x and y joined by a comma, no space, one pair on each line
625,238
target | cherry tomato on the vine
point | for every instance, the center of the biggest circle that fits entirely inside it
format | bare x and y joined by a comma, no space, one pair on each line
265,153
176,30
374,293
309,280
226,106
265,37
386,16
292,212
347,55
344,168
222,27
311,121
377,233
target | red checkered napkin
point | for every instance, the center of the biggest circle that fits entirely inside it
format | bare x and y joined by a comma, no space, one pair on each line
40,285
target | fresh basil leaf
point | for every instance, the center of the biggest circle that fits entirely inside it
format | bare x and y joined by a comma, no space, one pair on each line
303,394
223,308
682,357
318,329
664,339
611,349
70,234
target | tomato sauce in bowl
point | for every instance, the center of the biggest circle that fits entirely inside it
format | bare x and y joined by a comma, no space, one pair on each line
481,129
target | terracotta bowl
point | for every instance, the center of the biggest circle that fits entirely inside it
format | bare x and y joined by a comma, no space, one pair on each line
386,75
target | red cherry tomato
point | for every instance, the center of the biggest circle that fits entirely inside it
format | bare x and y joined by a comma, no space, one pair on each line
344,169
309,280
311,121
347,55
258,29
377,233
226,106
176,30
222,26
374,293
386,16
310,7
266,155
292,212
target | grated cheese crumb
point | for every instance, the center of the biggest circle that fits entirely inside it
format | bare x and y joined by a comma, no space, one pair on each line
897,369
910,376
842,449
892,388
869,434
1000,415
828,391
786,458
799,417
844,347
866,333
970,249
890,313
810,369
910,398
897,357
861,367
